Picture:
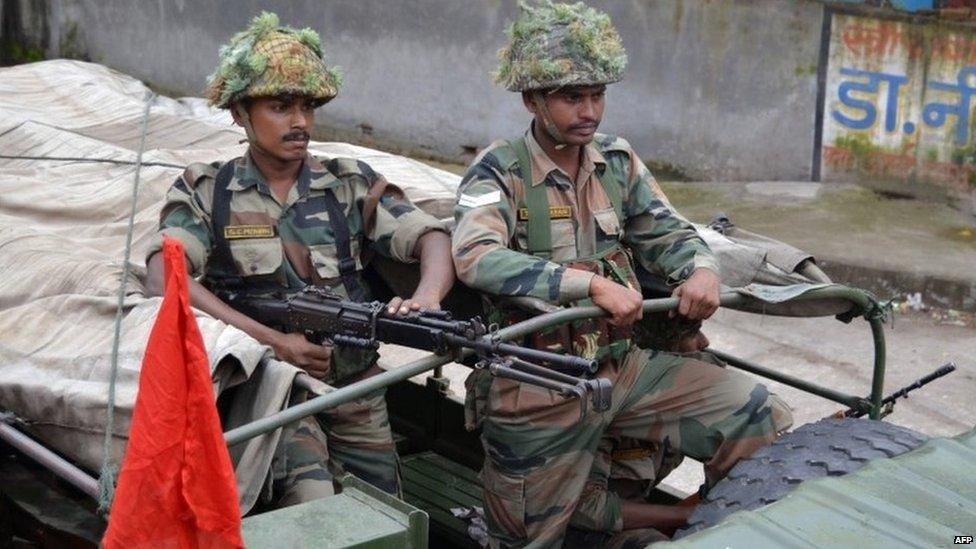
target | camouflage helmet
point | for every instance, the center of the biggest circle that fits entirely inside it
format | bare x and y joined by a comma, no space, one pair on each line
266,59
554,45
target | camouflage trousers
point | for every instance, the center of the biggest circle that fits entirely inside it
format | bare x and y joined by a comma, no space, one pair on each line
627,468
351,438
540,453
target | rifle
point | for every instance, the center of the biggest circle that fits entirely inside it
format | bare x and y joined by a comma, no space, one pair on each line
327,318
888,402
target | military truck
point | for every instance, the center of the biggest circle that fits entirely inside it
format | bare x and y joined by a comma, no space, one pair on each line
838,481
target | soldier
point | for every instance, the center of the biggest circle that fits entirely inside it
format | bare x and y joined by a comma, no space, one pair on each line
278,219
557,215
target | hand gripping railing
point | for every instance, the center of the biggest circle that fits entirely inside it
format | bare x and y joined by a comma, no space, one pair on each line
866,306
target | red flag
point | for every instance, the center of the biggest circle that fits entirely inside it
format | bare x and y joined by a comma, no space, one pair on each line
177,486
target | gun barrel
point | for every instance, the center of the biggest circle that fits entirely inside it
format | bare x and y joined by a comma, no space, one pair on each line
945,369
572,365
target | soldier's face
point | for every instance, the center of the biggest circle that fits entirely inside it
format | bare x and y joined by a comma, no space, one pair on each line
282,124
576,111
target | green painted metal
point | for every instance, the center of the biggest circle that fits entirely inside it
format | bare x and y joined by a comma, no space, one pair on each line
923,498
436,484
830,394
361,516
865,303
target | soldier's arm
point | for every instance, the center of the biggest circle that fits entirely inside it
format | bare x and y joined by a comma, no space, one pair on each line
485,217
662,239
667,244
436,273
402,231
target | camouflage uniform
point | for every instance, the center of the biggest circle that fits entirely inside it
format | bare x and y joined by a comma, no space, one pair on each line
525,228
247,238
539,451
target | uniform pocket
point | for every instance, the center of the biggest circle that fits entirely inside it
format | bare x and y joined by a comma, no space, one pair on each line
504,498
256,256
562,238
608,222
325,259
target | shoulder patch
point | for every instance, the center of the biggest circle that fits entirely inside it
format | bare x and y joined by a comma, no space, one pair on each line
498,155
607,143
344,167
197,171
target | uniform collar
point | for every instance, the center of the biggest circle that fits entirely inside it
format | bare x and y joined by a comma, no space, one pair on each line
320,177
542,165
313,175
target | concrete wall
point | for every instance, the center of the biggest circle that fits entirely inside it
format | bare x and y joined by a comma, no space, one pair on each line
720,89
898,106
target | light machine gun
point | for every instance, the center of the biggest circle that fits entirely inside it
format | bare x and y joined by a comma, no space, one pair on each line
325,318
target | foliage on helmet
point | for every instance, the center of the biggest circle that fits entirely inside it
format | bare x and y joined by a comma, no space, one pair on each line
266,59
554,45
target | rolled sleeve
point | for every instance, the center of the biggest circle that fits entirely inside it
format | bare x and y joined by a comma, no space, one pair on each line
196,252
183,219
410,227
575,285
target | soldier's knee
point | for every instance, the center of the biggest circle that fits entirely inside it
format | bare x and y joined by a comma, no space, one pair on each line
314,482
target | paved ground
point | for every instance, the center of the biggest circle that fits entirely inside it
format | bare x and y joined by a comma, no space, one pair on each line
892,246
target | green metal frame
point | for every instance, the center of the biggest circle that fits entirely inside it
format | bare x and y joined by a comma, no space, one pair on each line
865,304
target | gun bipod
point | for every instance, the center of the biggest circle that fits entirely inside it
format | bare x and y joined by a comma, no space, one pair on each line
600,389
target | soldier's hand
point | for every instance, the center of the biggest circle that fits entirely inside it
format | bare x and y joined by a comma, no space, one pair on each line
698,296
398,305
295,349
622,303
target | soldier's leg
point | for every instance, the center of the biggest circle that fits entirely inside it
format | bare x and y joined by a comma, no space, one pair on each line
598,508
710,413
538,453
301,466
637,466
360,441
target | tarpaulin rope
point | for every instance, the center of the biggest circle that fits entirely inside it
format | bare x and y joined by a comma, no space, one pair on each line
106,481
92,160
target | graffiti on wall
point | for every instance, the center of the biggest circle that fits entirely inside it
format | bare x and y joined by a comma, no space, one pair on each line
899,103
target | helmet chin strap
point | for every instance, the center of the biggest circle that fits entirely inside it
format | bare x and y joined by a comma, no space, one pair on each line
245,121
551,129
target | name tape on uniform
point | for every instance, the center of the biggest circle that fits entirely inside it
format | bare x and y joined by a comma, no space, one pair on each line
232,232
555,212
469,201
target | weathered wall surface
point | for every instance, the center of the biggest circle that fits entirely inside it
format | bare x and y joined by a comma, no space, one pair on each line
899,100
719,89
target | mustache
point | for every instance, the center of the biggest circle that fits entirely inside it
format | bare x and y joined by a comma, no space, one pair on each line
585,125
297,135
